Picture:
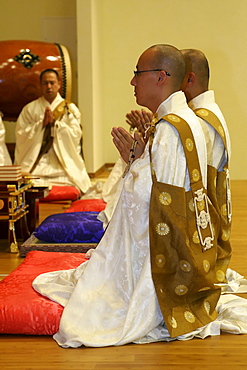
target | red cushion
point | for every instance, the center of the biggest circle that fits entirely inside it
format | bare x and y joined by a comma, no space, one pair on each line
62,193
87,205
22,309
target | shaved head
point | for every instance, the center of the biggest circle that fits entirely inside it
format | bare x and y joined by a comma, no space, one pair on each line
170,59
197,63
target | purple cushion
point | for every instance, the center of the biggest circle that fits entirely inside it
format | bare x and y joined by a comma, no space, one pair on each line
75,227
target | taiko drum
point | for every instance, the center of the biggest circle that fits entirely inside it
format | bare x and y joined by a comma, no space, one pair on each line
21,63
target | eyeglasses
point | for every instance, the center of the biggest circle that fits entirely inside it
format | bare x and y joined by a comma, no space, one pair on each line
136,73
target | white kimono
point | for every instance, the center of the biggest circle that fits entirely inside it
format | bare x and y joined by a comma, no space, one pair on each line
111,299
111,191
63,163
5,159
216,155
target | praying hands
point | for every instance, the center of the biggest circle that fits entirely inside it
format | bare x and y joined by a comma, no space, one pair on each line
139,119
125,143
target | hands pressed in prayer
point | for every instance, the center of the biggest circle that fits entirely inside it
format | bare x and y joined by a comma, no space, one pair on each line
140,120
48,117
124,143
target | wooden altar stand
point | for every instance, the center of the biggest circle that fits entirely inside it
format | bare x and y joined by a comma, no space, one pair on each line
18,210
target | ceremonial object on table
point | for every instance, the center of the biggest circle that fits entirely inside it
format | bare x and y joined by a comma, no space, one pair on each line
18,200
13,206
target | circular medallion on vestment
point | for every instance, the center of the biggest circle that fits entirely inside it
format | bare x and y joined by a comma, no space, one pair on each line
185,266
165,198
160,260
220,275
189,144
181,289
189,317
206,265
162,229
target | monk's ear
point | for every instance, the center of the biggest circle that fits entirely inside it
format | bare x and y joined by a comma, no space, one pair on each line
191,78
161,77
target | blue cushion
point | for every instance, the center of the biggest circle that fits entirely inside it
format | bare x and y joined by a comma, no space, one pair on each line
75,227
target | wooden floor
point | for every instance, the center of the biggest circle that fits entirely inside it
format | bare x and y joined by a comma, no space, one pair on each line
220,352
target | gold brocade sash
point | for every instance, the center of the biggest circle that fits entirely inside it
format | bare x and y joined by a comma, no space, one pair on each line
183,228
219,193
47,141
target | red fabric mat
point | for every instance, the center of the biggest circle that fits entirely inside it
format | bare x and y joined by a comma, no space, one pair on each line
22,309
87,205
58,193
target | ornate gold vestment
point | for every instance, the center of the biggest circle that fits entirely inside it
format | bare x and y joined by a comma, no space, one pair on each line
184,233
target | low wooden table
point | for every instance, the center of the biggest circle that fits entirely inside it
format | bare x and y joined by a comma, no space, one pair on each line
32,199
13,211
19,211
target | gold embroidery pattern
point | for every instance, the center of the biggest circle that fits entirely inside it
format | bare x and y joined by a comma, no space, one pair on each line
185,266
195,238
189,317
225,235
207,307
181,290
191,205
165,198
203,112
189,144
172,322
201,205
221,131
204,288
206,266
195,175
220,275
160,260
162,229
173,118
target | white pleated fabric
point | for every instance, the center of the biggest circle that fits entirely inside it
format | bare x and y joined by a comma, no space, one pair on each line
110,299
111,191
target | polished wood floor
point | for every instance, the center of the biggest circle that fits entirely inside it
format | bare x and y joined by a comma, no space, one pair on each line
220,352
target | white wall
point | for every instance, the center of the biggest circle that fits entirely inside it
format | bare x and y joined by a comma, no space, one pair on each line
111,35
122,29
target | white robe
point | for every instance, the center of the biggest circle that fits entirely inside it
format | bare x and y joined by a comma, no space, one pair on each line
111,191
5,159
216,154
111,299
62,164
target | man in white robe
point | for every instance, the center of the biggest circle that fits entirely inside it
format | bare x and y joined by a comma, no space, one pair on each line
61,162
111,299
5,159
195,87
